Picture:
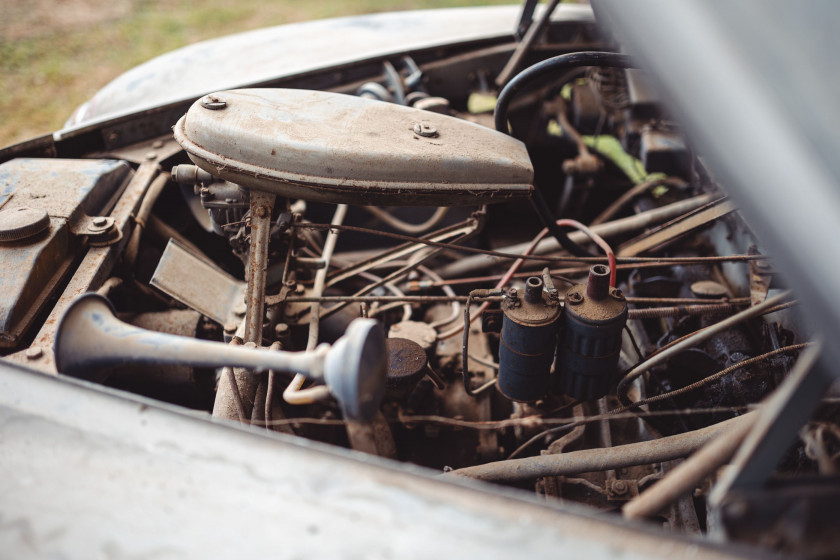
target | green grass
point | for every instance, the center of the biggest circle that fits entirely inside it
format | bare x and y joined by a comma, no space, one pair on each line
49,72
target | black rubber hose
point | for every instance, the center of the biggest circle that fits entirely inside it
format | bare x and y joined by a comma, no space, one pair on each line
528,76
547,67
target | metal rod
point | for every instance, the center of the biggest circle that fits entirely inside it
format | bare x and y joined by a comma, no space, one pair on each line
293,393
595,460
534,31
706,461
261,206
681,310
548,245
697,338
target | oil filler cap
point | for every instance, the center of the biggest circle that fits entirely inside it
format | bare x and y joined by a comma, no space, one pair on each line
22,222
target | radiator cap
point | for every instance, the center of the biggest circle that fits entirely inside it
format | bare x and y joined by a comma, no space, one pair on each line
339,148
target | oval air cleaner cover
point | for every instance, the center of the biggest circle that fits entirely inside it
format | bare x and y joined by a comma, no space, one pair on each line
339,148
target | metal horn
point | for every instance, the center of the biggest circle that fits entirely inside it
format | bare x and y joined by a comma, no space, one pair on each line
90,337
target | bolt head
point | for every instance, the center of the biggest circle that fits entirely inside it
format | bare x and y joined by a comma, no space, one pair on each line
34,353
213,102
425,130
99,221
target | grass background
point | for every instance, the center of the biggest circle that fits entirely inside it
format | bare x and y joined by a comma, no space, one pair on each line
55,54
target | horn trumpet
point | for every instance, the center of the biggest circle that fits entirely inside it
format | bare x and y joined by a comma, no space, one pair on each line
91,337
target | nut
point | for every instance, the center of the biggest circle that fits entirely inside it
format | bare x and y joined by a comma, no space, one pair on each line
619,488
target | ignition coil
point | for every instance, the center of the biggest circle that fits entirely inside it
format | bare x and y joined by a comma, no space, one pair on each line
529,340
590,342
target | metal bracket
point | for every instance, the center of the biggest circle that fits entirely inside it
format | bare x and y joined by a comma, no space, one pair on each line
101,231
621,490
218,295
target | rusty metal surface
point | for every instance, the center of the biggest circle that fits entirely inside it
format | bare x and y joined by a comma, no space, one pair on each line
589,460
406,365
218,295
156,149
92,272
261,206
60,194
278,140
609,229
675,229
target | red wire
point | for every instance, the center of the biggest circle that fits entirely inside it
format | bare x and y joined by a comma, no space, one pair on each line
598,240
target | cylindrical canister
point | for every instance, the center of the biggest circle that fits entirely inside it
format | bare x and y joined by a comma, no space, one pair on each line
528,342
590,341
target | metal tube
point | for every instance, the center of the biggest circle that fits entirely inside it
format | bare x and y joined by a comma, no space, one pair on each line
698,337
687,475
293,393
595,460
622,226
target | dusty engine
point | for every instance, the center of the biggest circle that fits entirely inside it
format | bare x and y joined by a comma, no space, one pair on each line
565,302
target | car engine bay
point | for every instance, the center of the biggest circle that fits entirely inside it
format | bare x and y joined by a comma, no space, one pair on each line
503,261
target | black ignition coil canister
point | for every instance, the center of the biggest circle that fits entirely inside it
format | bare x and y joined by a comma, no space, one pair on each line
594,317
529,340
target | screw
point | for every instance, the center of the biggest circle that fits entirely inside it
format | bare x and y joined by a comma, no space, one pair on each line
574,298
157,144
34,353
260,211
151,155
425,130
213,103
240,309
99,221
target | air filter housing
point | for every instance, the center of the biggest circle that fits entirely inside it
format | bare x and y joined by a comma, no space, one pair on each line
339,148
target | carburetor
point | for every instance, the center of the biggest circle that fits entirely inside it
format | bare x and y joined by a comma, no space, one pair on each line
590,342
